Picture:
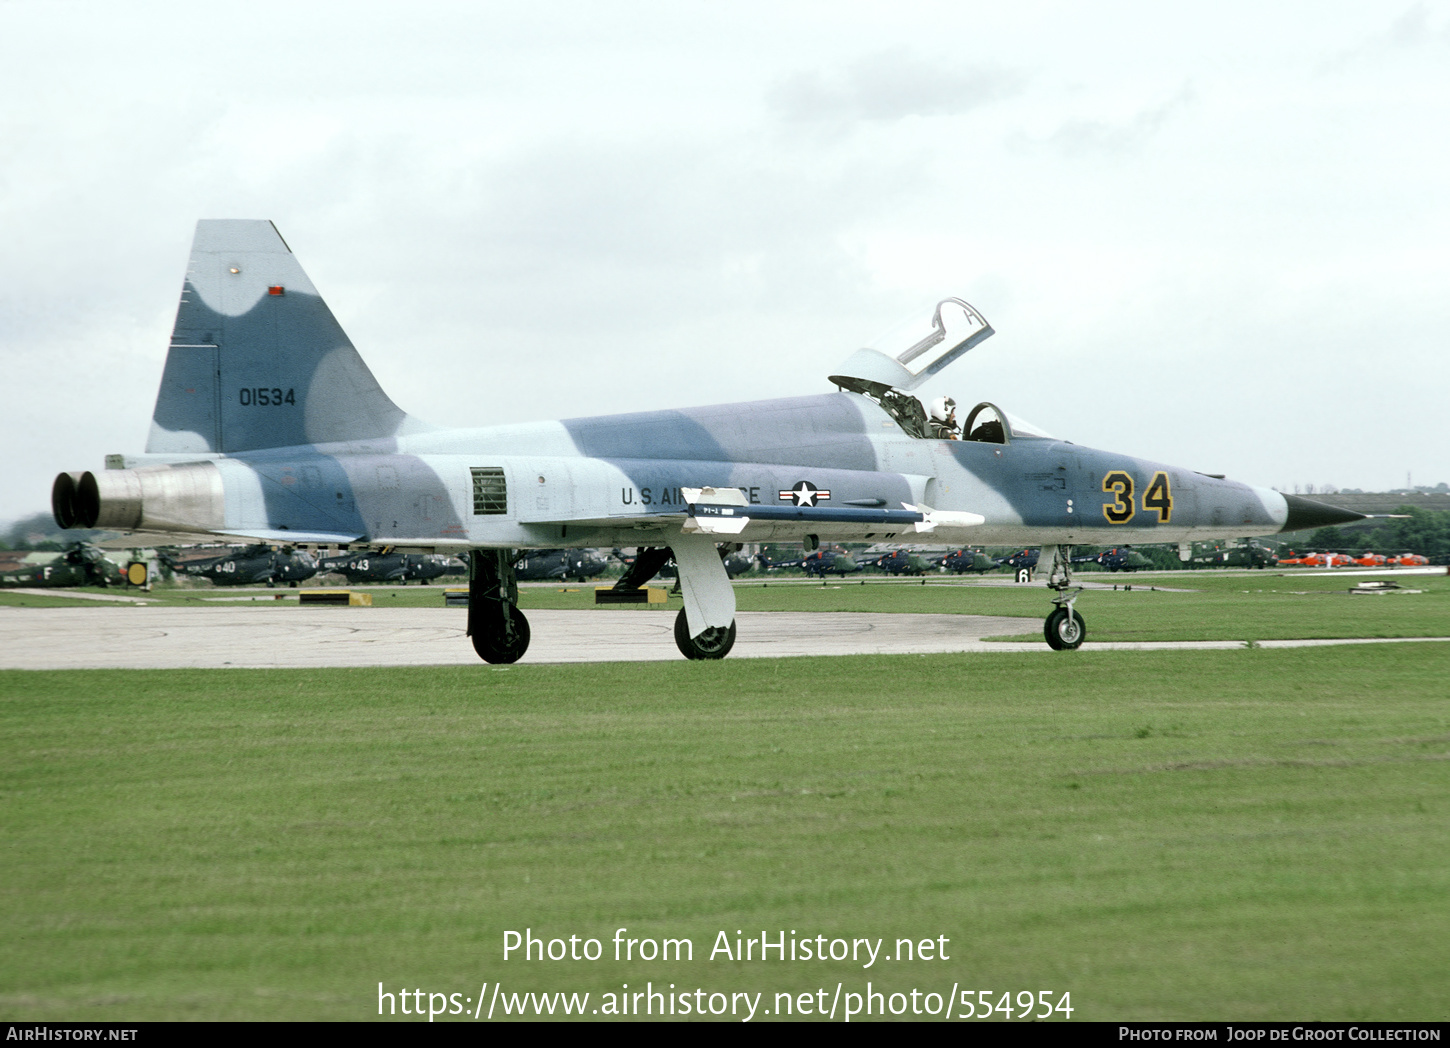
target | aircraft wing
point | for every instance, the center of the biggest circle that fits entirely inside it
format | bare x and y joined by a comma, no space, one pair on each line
133,539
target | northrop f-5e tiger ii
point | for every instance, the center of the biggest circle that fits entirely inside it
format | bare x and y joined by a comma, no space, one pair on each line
269,426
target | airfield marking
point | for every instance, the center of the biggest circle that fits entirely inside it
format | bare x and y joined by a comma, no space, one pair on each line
289,636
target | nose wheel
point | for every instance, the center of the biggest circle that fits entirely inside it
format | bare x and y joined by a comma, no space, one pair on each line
1064,628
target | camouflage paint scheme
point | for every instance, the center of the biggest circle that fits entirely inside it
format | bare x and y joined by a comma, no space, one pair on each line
269,425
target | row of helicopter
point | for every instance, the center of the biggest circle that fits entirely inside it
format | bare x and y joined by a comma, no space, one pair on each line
264,565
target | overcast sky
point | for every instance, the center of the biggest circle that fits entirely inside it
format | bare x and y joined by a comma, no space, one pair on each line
1216,237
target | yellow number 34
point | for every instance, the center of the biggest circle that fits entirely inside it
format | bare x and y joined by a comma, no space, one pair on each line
1157,499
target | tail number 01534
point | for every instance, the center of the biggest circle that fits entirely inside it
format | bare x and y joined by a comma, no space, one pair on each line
260,396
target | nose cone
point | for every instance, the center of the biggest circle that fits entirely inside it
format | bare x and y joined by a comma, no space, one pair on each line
1306,513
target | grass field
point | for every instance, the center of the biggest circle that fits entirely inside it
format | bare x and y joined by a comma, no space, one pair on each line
1172,835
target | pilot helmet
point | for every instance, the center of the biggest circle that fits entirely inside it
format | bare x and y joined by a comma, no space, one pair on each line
942,408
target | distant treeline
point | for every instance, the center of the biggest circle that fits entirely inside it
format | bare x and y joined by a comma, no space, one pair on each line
40,532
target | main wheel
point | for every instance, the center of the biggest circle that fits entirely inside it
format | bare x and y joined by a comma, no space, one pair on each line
1064,633
497,646
714,643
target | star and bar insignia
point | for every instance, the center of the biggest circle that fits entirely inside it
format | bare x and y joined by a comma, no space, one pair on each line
805,494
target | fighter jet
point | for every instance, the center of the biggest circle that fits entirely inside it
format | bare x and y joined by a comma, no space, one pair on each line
79,565
386,566
256,565
563,564
269,426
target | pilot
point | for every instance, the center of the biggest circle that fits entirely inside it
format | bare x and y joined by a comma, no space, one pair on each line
944,419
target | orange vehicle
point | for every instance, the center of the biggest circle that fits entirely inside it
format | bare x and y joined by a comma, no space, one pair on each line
1321,560
1369,559
1408,560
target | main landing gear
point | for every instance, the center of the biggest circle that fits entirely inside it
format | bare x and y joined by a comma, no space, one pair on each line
497,627
714,643
1064,628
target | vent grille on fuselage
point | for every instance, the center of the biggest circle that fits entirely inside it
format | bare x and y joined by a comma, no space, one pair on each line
490,491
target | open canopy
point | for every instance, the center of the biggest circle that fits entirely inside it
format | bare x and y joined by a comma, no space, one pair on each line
912,352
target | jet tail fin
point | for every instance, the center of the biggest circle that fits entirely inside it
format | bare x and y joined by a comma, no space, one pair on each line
257,360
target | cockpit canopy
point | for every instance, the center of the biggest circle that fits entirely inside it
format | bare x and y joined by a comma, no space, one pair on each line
911,353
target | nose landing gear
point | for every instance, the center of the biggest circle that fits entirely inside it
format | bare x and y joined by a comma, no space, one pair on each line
1064,628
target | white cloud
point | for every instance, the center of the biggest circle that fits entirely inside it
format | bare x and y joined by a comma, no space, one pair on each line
670,205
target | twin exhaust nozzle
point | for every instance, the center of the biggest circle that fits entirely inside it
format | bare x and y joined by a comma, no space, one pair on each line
77,501
187,497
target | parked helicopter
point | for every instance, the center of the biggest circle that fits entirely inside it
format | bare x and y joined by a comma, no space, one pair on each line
1249,553
1119,558
256,565
81,564
386,566
738,562
1026,558
967,561
562,564
903,562
825,562
1315,560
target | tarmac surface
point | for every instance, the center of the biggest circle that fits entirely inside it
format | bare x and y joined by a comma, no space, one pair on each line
285,635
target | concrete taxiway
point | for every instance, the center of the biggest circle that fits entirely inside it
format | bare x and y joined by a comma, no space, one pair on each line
269,635
159,637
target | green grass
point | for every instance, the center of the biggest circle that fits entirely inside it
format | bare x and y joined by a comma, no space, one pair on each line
1247,834
59,599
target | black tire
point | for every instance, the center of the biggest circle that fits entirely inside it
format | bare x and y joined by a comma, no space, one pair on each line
497,647
1063,634
714,643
